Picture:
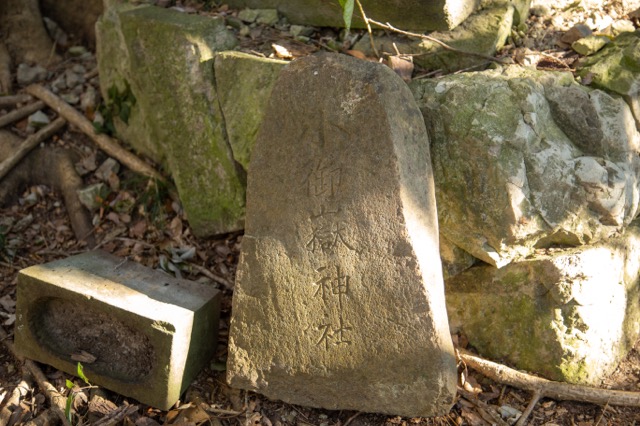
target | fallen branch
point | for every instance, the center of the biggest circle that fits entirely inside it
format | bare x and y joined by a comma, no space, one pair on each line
20,113
29,144
547,388
104,142
6,101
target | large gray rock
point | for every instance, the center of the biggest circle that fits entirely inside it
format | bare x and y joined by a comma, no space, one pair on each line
165,59
525,158
339,300
567,314
406,14
615,69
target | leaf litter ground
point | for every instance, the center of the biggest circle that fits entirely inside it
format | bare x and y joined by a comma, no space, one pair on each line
141,221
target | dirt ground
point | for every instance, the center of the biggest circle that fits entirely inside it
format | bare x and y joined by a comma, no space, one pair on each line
140,220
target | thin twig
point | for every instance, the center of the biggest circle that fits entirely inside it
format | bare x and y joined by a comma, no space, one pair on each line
522,421
352,418
207,273
366,21
442,44
20,113
29,144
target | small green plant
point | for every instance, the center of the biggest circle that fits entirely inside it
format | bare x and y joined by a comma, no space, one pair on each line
347,12
73,391
118,104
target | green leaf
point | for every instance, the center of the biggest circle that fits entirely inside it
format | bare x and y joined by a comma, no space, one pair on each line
81,374
67,408
69,384
347,12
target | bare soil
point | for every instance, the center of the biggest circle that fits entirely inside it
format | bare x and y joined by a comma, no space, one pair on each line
141,221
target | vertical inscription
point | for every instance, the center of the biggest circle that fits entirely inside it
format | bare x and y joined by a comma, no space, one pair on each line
329,232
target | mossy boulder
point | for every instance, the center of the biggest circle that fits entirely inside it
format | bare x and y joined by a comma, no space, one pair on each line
243,84
567,314
165,58
526,159
616,68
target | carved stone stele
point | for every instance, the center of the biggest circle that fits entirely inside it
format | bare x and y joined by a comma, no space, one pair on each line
339,300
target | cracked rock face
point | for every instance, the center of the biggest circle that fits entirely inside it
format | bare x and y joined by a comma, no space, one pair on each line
526,159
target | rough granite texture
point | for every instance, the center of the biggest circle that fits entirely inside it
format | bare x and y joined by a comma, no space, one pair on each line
405,14
339,300
150,332
570,315
526,159
166,58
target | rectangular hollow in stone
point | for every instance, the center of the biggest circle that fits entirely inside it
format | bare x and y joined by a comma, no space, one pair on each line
339,298
151,333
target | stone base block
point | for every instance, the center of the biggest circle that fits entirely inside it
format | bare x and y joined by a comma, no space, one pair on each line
149,332
569,315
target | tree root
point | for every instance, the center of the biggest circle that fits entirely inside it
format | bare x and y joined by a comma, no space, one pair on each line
47,166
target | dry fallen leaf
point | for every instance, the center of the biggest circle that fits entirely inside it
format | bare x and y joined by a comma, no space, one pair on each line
281,51
401,66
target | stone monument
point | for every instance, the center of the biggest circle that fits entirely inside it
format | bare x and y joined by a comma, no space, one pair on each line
339,301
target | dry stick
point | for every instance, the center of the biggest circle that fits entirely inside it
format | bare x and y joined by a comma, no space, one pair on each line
30,143
444,45
527,412
366,21
57,401
104,142
547,388
20,113
6,101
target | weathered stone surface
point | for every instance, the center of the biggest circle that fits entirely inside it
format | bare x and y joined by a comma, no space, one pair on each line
483,32
570,315
589,45
243,84
524,158
165,58
339,300
150,332
615,68
406,14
